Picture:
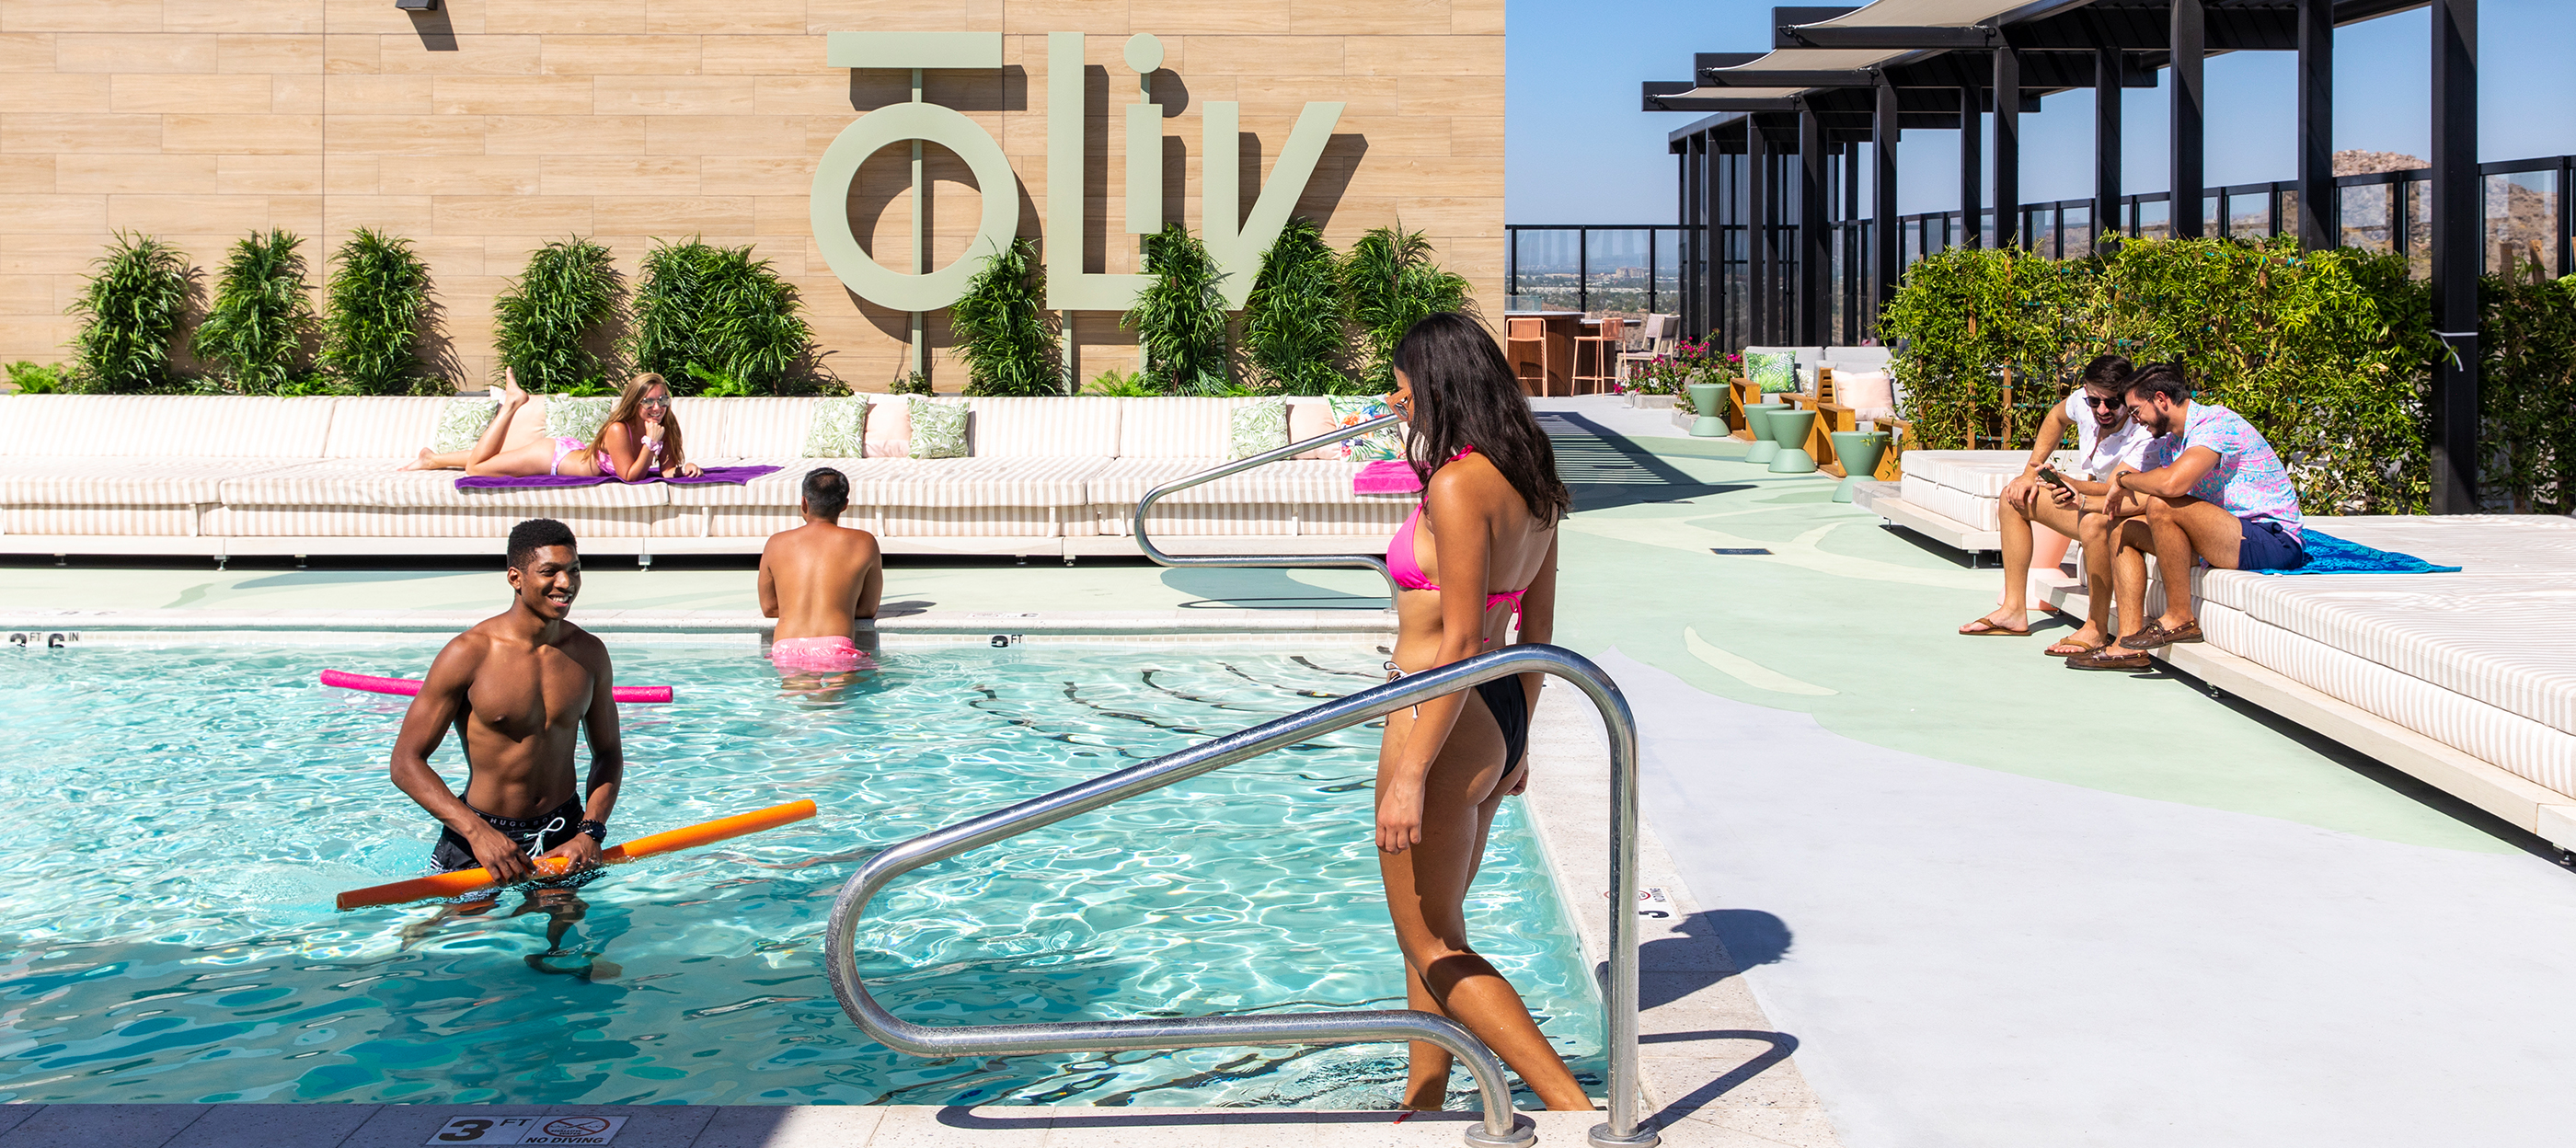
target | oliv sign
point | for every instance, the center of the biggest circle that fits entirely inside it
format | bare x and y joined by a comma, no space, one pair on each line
1236,246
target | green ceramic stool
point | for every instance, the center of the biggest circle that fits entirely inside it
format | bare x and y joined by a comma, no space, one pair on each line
1757,418
1789,427
1859,451
1709,400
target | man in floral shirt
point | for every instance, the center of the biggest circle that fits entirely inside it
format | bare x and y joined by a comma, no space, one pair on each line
2213,491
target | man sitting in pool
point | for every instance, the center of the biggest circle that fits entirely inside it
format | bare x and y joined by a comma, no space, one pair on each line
520,688
818,580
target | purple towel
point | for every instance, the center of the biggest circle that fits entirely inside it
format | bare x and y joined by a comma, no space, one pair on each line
736,475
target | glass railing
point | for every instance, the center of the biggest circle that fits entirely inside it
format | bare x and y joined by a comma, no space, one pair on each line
1626,271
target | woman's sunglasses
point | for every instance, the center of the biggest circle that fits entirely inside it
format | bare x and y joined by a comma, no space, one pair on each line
655,402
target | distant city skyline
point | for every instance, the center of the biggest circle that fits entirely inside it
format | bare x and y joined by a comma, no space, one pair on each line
1578,150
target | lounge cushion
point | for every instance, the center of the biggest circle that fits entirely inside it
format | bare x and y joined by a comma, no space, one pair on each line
386,427
165,428
377,482
944,482
126,481
1983,473
1046,427
1288,481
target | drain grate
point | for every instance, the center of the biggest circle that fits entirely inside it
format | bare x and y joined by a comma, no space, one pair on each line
1737,550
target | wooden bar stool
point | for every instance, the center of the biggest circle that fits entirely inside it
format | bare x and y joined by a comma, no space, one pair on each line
1606,347
1525,346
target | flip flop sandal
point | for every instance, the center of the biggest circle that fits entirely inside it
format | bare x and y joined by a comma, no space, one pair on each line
2069,649
1992,630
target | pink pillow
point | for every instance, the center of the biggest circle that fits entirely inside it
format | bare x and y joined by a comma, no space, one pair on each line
1307,418
1386,476
1870,394
890,428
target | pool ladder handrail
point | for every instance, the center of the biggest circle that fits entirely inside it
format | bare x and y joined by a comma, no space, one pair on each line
1375,562
1500,1128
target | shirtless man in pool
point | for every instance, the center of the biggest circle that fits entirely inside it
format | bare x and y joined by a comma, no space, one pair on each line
521,688
818,580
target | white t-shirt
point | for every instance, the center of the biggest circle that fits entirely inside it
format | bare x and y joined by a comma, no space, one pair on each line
2127,444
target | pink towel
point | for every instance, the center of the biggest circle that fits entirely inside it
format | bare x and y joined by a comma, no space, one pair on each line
1386,476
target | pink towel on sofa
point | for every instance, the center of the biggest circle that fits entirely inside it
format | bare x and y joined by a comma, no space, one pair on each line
1386,476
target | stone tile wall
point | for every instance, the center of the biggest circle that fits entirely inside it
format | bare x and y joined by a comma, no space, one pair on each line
492,126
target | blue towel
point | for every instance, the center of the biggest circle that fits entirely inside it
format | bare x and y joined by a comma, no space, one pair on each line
2328,554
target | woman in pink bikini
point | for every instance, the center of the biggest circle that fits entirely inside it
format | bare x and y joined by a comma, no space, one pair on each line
639,437
1477,553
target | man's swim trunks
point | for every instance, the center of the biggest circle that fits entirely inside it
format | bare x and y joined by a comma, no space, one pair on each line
825,654
545,831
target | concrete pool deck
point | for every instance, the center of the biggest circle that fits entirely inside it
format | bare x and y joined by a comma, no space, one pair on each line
1987,901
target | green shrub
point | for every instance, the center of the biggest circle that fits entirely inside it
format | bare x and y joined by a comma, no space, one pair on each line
1292,324
1388,284
545,321
1117,384
129,310
261,324
2527,395
1004,331
371,323
718,309
31,379
2323,352
912,383
1180,318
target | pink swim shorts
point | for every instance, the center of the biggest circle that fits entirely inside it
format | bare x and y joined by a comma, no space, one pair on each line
831,652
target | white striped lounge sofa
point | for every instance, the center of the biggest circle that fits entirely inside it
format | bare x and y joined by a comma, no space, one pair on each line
230,476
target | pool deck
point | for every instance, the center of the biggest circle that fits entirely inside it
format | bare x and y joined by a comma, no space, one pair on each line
1944,892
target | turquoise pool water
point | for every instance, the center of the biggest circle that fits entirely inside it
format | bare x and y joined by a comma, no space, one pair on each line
181,816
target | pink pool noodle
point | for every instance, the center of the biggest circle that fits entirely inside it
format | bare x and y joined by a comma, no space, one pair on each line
408,687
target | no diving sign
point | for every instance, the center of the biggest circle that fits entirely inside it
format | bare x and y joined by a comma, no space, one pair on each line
528,1130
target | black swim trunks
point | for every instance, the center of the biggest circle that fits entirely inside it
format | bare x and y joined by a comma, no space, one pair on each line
1509,703
545,831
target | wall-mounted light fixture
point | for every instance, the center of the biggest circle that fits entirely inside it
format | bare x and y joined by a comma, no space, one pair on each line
417,5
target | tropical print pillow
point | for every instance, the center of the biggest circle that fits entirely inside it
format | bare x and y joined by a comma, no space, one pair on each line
568,416
461,423
1772,372
938,429
1379,445
1256,427
838,428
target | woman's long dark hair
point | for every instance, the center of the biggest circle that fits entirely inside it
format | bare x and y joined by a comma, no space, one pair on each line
1464,395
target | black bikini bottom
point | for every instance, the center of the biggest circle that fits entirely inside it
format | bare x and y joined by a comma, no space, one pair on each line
1509,704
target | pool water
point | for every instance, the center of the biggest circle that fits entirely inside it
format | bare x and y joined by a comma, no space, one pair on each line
182,816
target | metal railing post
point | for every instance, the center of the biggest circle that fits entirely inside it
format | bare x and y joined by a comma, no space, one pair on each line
1499,1127
1375,562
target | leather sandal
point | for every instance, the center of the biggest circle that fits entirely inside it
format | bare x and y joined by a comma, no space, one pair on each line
2154,634
2069,647
2110,657
1983,628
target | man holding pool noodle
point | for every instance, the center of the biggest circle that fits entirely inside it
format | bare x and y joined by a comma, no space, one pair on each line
520,688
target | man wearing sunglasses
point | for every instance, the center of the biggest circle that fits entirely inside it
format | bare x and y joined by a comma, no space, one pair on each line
2076,505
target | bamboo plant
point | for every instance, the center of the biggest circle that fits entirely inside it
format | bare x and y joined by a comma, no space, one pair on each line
1389,283
129,310
544,323
1293,330
371,322
1003,328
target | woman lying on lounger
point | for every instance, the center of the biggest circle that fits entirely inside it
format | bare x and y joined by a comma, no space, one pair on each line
640,436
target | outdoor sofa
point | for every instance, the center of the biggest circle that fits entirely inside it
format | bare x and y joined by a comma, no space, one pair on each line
226,476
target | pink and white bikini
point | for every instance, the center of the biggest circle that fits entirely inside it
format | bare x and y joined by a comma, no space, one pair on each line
565,446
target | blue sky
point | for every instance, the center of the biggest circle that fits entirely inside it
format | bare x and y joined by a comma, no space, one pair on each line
1578,150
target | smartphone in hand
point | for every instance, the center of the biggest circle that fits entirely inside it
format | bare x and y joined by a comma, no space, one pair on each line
2049,475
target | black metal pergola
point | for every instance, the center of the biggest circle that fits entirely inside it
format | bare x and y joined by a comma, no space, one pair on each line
1760,178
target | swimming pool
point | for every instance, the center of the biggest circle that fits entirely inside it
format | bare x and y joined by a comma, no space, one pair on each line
181,816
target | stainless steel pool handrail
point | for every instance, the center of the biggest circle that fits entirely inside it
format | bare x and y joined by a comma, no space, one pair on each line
1375,562
1499,1126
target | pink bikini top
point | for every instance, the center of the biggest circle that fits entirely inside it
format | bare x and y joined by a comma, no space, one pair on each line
1407,570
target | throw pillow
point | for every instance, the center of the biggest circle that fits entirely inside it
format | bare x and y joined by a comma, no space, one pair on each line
1255,427
890,428
838,428
1375,446
1870,394
938,429
461,423
1308,418
568,416
1773,372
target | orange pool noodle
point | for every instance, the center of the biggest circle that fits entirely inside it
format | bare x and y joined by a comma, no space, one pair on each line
468,880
